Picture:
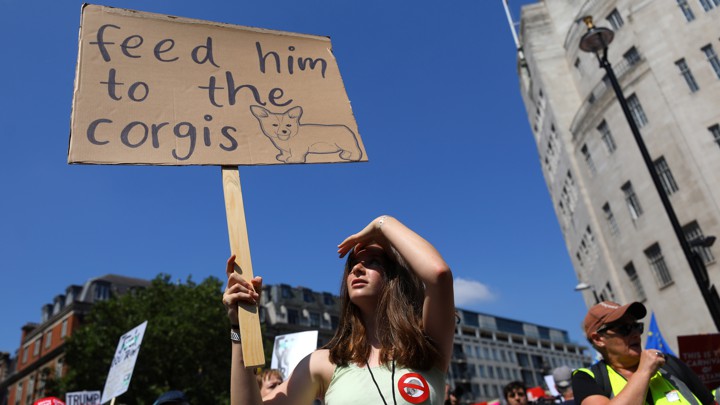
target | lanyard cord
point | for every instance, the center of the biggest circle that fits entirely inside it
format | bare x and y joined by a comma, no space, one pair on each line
392,382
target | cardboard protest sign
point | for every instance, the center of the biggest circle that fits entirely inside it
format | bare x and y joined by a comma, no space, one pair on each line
160,90
702,354
123,364
83,398
289,349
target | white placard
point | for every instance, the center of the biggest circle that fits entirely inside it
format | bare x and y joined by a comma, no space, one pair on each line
550,382
83,398
123,364
291,348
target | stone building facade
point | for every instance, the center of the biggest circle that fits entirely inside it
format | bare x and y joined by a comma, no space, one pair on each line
665,56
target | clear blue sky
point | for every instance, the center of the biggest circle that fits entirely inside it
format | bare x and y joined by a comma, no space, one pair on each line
434,89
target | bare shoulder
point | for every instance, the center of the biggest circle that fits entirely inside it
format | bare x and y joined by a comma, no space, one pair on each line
320,365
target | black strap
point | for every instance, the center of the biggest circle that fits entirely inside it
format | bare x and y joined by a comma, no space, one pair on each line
600,372
677,383
677,368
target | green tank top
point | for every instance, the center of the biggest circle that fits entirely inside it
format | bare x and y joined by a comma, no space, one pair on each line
353,385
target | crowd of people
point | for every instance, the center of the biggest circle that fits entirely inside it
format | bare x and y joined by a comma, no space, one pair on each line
394,340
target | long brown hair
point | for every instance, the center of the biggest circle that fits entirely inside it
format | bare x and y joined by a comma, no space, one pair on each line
399,321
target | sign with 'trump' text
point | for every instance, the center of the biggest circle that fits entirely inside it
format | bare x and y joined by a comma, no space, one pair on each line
160,90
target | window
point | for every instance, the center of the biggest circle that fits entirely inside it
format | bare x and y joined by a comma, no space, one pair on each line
635,281
687,11
63,330
308,295
715,132
693,232
632,56
657,264
102,291
603,296
632,201
59,368
687,74
707,5
552,153
48,339
666,178
607,137
292,316
328,299
637,111
588,159
36,348
286,291
615,19
610,218
587,249
25,354
18,393
712,58
29,390
314,320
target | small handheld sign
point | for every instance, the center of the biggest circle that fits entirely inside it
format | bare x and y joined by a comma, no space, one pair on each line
123,364
152,89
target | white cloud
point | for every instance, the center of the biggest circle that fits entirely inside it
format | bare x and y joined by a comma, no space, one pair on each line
469,292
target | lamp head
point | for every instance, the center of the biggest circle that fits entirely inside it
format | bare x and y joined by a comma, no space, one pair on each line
582,286
596,39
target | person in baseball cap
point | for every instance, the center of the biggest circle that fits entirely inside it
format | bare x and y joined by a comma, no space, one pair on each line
614,331
607,313
562,377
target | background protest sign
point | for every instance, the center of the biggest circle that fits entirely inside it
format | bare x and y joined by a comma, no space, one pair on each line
159,90
289,349
123,364
48,401
83,398
702,354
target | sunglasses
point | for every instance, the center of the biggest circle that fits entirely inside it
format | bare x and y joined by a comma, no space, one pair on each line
626,329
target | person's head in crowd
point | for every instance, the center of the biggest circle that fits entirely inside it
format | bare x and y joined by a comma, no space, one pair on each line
172,398
614,331
392,279
515,393
268,380
563,376
454,396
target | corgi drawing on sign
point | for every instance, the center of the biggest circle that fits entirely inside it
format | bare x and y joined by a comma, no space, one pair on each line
295,140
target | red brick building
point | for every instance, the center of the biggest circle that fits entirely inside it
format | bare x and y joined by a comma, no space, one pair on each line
40,356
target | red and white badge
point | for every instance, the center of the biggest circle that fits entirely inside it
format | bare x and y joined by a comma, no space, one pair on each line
414,388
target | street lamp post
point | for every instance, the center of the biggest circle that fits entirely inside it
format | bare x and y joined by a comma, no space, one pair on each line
596,40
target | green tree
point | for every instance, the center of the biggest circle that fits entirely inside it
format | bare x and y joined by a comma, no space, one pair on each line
185,347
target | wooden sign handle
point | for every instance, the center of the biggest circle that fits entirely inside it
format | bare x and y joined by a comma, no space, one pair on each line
248,315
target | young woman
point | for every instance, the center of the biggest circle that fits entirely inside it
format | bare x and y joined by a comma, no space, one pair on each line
394,339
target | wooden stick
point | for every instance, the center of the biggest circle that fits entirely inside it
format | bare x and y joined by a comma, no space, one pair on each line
248,315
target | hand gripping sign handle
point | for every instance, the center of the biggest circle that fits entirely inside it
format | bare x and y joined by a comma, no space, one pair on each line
248,315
